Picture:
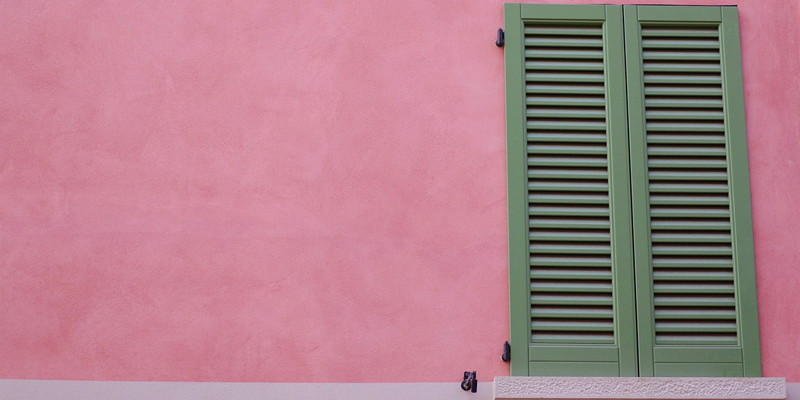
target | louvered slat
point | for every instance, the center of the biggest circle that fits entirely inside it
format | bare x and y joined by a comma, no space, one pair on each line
693,277
568,190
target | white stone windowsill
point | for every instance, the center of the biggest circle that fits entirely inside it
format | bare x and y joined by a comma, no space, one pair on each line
563,388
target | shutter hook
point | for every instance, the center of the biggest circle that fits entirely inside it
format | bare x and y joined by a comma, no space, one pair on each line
470,382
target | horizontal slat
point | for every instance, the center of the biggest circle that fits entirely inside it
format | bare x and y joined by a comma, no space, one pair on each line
596,162
662,262
564,77
679,249
544,41
571,113
567,261
564,30
679,55
572,312
711,225
569,211
570,125
670,43
570,248
679,32
549,173
571,326
565,274
685,151
703,114
700,326
575,101
578,299
672,339
570,198
575,89
671,175
661,199
578,236
689,139
557,65
584,54
564,223
681,67
710,126
693,288
682,102
595,186
661,78
567,149
694,301
717,237
708,91
702,314
570,338
689,188
692,275
571,286
595,137
662,211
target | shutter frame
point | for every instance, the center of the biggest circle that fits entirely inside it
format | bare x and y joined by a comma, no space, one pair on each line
711,359
519,303
618,358
742,221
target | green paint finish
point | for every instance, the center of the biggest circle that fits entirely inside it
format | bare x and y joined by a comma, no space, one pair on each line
630,238
561,13
620,193
704,14
689,323
673,354
639,196
518,270
741,215
577,241
699,369
574,369
574,353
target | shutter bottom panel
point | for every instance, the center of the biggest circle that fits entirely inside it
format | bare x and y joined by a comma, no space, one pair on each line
582,368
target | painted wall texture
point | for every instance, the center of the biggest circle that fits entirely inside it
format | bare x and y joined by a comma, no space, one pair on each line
298,191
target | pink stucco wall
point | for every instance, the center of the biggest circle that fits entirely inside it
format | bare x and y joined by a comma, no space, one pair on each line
297,191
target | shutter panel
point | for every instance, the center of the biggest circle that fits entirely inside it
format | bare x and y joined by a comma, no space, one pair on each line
695,280
570,253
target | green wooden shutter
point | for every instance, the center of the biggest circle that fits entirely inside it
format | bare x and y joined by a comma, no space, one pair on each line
570,253
695,277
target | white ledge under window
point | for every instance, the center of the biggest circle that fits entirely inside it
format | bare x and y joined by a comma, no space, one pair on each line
558,388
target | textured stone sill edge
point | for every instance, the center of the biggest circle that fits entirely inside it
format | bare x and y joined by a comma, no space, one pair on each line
556,388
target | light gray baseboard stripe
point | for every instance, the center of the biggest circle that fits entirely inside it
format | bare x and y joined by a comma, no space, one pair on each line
17,389
14,389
